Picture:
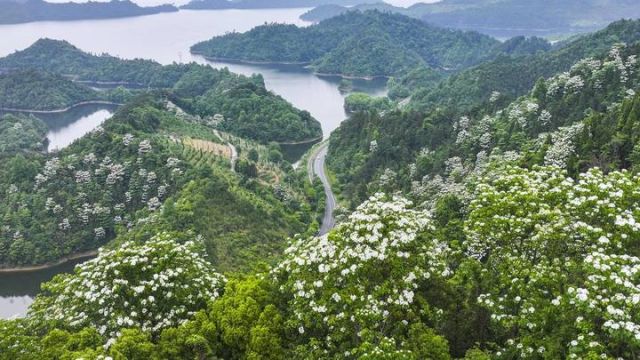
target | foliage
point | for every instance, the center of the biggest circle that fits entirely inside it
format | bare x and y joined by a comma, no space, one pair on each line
546,267
252,112
503,18
355,102
153,286
21,133
249,110
120,175
511,77
563,273
356,44
417,149
368,274
40,91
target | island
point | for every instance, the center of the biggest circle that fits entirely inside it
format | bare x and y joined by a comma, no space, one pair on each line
16,11
366,45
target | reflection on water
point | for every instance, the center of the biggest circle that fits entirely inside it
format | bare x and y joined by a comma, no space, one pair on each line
66,127
62,133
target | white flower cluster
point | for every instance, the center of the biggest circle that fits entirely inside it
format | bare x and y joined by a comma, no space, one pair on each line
562,146
365,274
153,286
144,147
556,243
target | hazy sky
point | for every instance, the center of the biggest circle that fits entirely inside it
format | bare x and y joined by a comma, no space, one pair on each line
404,3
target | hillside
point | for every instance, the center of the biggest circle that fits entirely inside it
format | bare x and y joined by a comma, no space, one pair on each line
141,168
425,151
246,107
31,90
324,12
541,18
355,44
15,12
514,76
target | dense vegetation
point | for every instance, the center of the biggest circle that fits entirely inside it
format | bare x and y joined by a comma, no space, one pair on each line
122,174
472,121
14,12
512,76
416,284
357,44
355,102
19,133
242,103
34,90
504,18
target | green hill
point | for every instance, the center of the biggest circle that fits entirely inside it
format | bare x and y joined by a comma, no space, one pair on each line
247,107
425,143
355,44
31,90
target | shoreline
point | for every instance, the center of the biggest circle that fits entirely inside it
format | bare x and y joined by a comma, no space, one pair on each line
58,111
250,62
49,265
305,65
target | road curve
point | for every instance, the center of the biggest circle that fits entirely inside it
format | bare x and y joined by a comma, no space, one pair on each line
316,167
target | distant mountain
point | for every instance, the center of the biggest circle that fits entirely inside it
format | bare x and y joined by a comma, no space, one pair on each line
541,17
15,12
355,44
265,4
505,18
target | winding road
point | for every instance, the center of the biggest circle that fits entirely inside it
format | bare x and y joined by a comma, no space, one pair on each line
316,167
234,151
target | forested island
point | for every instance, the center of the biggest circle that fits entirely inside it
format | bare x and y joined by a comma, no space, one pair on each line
16,11
356,44
490,211
503,18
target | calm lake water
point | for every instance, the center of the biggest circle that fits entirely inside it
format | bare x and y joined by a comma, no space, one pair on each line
165,38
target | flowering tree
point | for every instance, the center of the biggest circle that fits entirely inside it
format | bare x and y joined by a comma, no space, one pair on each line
364,280
153,286
559,255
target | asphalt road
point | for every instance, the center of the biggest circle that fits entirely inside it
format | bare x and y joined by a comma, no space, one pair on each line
316,167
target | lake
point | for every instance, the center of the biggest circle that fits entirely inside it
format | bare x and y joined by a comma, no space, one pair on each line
165,38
